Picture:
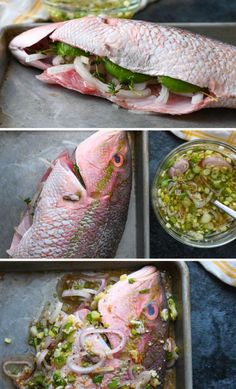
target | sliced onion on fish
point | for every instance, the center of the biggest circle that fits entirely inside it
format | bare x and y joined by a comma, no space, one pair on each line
84,60
36,57
91,331
134,94
58,60
164,95
143,379
87,76
140,86
76,368
56,312
197,98
40,357
60,69
85,293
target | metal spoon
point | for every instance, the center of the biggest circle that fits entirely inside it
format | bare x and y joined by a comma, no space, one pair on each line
224,208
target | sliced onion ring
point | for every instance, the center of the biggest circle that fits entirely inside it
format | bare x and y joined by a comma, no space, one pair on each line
36,57
87,76
56,312
85,293
164,95
197,98
83,370
26,363
60,69
134,94
90,331
140,86
41,356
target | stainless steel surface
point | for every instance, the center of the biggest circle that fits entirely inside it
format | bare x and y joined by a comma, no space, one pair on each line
224,207
26,286
21,167
27,102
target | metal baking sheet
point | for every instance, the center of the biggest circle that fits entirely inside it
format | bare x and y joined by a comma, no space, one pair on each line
27,286
27,102
22,155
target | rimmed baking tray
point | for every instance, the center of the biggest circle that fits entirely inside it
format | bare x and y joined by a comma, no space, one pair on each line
27,286
27,102
21,167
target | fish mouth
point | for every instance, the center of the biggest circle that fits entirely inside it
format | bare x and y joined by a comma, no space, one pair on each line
71,164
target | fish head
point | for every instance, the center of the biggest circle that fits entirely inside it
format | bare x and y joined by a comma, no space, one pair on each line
141,294
135,304
104,162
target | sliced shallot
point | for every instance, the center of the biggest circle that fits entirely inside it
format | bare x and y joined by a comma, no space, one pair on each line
26,363
87,76
56,312
40,357
58,60
85,293
134,94
140,86
60,69
164,95
76,368
36,57
90,331
197,98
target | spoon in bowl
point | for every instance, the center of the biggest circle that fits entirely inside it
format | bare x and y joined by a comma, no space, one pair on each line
224,208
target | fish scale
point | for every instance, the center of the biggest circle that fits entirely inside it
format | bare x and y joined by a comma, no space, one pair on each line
92,226
114,40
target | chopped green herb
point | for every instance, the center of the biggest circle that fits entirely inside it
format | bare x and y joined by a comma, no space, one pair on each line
144,291
7,340
60,360
112,88
58,379
97,379
172,308
131,280
113,384
27,200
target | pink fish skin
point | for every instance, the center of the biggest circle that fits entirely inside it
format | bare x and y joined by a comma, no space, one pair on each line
80,217
150,49
143,299
30,38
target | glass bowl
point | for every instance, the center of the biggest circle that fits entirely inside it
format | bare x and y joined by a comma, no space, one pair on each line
60,10
215,239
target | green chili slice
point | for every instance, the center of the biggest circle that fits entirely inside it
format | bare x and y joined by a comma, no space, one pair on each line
125,76
179,86
63,49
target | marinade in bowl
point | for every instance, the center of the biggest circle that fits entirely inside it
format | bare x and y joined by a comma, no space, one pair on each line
187,182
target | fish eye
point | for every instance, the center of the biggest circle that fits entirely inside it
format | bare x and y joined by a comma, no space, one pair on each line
118,159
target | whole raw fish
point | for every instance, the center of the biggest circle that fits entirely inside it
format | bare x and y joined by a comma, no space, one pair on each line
141,47
82,206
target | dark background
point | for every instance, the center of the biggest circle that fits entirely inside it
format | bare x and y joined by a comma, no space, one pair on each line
189,11
213,302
